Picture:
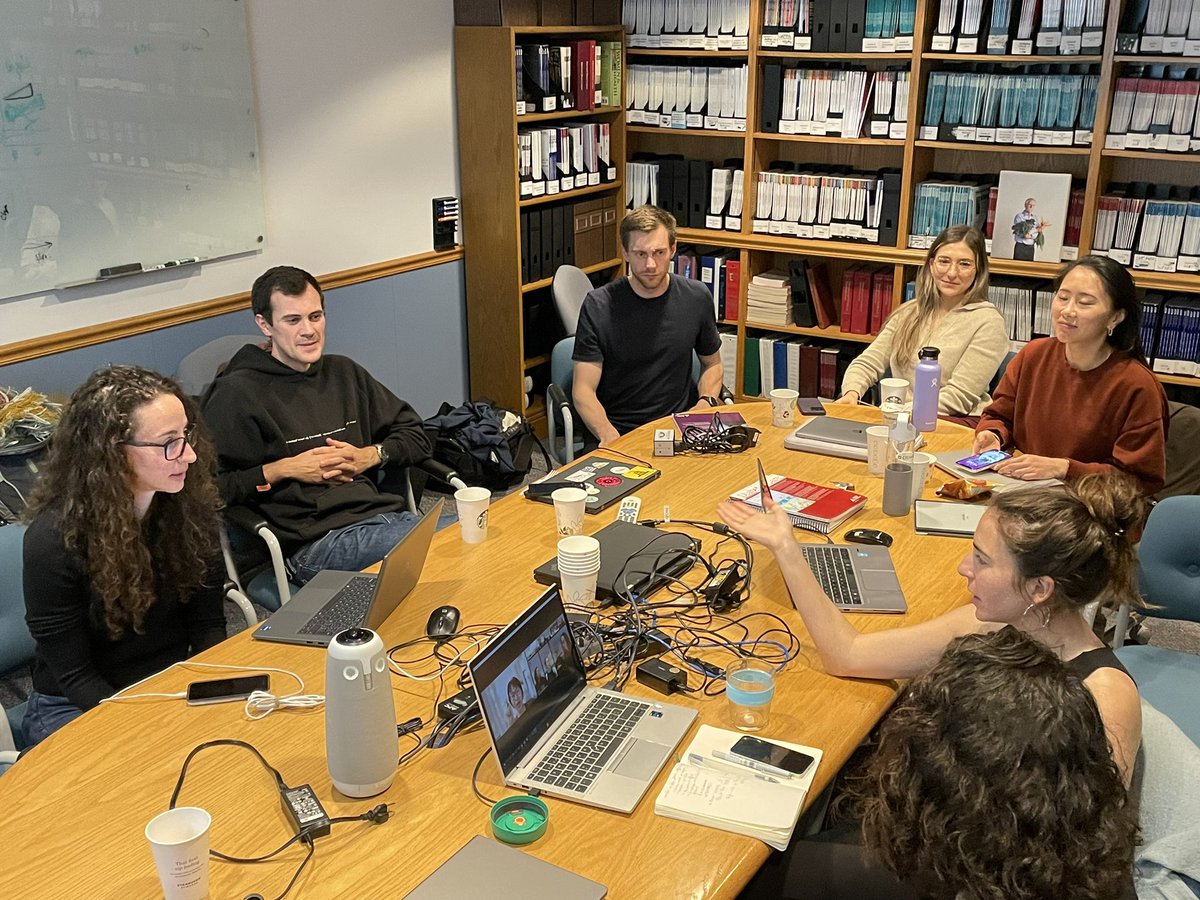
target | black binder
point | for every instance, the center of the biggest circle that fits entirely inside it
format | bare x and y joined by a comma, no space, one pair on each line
771,97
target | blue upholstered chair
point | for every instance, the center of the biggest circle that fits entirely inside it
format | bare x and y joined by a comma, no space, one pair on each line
1169,581
16,644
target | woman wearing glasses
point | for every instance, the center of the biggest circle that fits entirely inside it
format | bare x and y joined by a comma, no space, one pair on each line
121,563
951,311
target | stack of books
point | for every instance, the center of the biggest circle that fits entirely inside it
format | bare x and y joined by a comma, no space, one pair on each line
824,203
564,158
682,97
1153,227
579,75
1171,333
1025,306
808,505
1155,111
848,103
769,298
866,297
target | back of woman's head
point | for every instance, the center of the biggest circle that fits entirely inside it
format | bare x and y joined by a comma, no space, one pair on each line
87,481
993,779
1081,535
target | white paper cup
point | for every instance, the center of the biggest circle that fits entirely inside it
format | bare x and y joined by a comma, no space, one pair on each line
579,590
893,390
921,465
179,841
783,407
877,441
569,505
473,513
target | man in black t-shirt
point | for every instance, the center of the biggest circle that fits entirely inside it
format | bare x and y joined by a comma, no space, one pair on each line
634,341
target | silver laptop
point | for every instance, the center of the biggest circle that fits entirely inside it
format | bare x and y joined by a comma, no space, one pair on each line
831,436
334,601
550,731
857,578
483,864
946,462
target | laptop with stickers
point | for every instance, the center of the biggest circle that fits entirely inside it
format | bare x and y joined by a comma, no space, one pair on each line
604,479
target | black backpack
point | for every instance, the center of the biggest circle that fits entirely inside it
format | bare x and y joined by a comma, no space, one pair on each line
485,445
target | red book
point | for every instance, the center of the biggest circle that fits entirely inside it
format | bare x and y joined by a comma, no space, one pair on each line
810,370
808,505
733,286
860,303
829,373
881,297
993,192
822,294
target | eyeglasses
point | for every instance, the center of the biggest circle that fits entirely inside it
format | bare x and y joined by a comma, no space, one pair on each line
943,264
172,449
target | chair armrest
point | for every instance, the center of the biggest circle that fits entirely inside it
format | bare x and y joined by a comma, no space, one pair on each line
245,518
725,396
252,522
438,470
556,398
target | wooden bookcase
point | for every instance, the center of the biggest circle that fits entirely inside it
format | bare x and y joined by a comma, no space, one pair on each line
916,159
491,208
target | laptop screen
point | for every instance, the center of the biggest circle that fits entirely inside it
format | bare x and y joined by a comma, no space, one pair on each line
526,676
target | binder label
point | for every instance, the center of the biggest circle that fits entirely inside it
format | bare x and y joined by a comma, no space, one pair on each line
1068,253
941,43
898,130
963,132
1004,135
1189,264
1022,48
804,231
1143,261
1137,142
871,45
537,189
929,133
997,42
1190,48
1083,138
725,42
1043,138
1049,38
712,222
741,42
1023,136
1164,264
695,120
799,41
1173,44
967,45
761,226
1062,138
770,40
1095,38
593,179
549,104
1124,257
879,129
901,44
821,232
871,235
985,135
1151,43
733,223
1177,143
1071,44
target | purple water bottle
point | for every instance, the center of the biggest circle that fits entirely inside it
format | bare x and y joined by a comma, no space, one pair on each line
927,383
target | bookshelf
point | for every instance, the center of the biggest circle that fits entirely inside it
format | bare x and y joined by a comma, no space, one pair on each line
915,157
500,304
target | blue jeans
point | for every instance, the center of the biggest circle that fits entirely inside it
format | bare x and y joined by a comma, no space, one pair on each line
45,714
351,548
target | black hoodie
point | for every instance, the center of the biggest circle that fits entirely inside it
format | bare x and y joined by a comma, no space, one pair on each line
260,410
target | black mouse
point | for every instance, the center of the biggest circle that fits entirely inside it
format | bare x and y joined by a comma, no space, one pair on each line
868,536
443,622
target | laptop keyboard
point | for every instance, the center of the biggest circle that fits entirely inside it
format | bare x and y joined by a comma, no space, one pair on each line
579,755
347,608
834,570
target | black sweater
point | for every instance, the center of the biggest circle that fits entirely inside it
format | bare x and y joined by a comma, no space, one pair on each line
259,411
75,656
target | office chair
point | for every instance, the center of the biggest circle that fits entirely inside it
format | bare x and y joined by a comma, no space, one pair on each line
560,411
1008,357
254,556
571,285
1169,581
16,643
1183,462
197,370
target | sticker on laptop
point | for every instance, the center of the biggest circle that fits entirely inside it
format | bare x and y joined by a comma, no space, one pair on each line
639,472
577,476
607,481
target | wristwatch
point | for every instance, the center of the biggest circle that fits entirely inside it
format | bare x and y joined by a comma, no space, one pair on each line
711,401
383,457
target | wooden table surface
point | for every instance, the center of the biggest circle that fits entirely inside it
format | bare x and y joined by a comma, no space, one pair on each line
75,807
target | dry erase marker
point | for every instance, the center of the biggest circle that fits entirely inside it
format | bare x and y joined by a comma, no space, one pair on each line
697,760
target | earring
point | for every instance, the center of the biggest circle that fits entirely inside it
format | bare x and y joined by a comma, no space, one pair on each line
1043,614
1110,330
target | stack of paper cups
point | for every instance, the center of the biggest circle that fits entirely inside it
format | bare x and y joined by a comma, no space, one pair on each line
578,565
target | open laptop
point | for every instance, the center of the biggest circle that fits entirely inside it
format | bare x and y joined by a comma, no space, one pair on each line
858,578
635,560
551,731
334,601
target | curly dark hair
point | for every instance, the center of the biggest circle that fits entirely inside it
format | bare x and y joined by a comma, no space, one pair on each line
993,780
86,482
1082,535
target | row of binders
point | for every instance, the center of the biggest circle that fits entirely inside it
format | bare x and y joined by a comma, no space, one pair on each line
847,103
1167,27
1019,27
698,193
579,75
1171,333
777,361
1155,110
556,159
847,26
1025,306
1149,227
1052,109
684,24
828,203
718,270
698,97
567,234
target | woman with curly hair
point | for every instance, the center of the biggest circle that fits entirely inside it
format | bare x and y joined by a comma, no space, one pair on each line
1039,556
121,561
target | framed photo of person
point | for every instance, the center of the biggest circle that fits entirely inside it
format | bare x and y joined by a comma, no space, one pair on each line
1031,216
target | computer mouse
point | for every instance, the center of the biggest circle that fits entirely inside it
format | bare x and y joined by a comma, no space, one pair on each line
869,536
443,622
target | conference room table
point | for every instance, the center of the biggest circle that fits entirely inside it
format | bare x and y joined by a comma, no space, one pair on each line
74,809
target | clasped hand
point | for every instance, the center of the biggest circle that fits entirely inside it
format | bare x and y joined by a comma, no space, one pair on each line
337,461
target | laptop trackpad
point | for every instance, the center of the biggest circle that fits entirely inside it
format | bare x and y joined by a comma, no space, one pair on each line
877,580
641,760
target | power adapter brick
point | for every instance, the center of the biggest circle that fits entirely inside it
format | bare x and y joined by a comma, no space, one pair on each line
662,676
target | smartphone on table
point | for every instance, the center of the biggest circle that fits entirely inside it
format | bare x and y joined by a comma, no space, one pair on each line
981,461
224,690
772,757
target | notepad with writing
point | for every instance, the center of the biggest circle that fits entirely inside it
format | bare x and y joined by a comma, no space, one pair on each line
722,796
808,505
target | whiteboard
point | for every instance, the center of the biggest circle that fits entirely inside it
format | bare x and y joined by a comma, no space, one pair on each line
127,136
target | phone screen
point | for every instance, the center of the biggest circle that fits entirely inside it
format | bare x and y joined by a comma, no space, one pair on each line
220,690
984,460
774,755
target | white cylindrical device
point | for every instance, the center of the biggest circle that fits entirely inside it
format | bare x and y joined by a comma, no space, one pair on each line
360,715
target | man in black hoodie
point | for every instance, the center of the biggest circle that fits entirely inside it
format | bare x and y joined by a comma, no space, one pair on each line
297,433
